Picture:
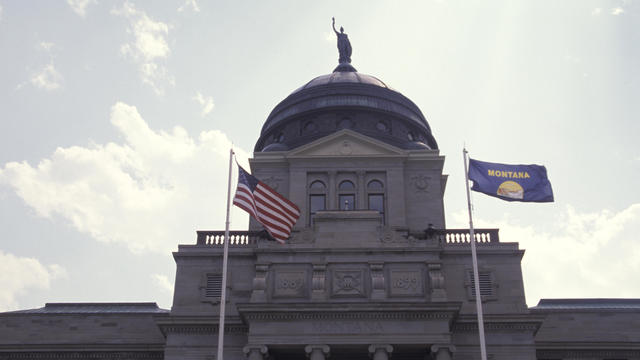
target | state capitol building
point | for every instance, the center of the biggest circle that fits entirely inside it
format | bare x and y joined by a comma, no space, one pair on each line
371,270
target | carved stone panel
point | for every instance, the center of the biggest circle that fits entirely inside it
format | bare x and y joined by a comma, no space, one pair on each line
420,183
348,283
406,283
290,284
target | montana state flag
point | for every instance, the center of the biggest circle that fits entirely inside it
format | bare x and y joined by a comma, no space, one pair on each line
527,183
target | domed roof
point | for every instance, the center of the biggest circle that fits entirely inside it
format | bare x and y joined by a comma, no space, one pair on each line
345,99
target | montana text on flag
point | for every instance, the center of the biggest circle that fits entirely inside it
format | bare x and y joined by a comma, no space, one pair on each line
276,213
527,183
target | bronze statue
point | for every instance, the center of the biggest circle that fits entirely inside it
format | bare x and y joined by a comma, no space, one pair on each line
344,46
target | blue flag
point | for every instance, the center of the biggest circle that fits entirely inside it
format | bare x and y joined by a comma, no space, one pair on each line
528,183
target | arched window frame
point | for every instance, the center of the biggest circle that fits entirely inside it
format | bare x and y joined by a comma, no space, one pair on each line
317,198
348,194
376,196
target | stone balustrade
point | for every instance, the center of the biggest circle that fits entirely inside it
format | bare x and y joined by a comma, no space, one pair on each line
445,237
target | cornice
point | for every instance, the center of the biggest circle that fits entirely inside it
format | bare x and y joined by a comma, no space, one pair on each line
587,346
499,322
209,329
99,355
347,316
510,326
582,354
350,311
200,324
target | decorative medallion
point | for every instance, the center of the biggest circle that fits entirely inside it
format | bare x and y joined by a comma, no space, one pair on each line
420,182
346,148
272,181
348,283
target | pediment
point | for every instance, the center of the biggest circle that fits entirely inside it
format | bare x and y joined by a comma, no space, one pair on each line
346,143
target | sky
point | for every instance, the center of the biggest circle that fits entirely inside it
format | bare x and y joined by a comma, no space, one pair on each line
116,119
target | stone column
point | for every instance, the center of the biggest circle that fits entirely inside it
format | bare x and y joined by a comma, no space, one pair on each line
255,352
317,352
380,351
331,191
362,192
442,351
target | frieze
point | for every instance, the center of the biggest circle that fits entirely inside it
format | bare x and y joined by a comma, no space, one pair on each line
213,329
348,327
348,316
583,354
348,283
496,327
84,355
291,284
406,283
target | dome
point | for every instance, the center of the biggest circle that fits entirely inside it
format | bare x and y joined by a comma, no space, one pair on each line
345,99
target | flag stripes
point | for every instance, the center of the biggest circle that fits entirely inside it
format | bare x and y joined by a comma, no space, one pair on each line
275,212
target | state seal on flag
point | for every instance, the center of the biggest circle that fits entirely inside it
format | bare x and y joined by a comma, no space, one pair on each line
511,189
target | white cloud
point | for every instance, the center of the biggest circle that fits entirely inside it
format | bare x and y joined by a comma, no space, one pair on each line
617,11
20,274
162,282
149,193
189,3
48,78
596,11
148,46
581,255
205,102
80,6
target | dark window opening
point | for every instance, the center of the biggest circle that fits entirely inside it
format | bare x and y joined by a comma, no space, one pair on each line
317,185
375,185
376,202
347,201
346,185
317,202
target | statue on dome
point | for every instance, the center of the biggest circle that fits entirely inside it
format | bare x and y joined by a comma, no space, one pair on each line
344,46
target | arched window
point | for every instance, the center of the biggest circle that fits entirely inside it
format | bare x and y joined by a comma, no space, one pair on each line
317,198
317,185
375,185
375,196
347,195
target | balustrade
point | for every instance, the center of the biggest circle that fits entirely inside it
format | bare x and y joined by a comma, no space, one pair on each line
444,236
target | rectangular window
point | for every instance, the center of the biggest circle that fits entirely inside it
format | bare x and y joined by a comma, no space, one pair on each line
347,201
316,203
376,202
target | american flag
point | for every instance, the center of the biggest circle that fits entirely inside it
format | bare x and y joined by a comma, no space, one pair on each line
276,213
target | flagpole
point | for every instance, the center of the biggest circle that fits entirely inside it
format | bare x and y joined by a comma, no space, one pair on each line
472,240
223,295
